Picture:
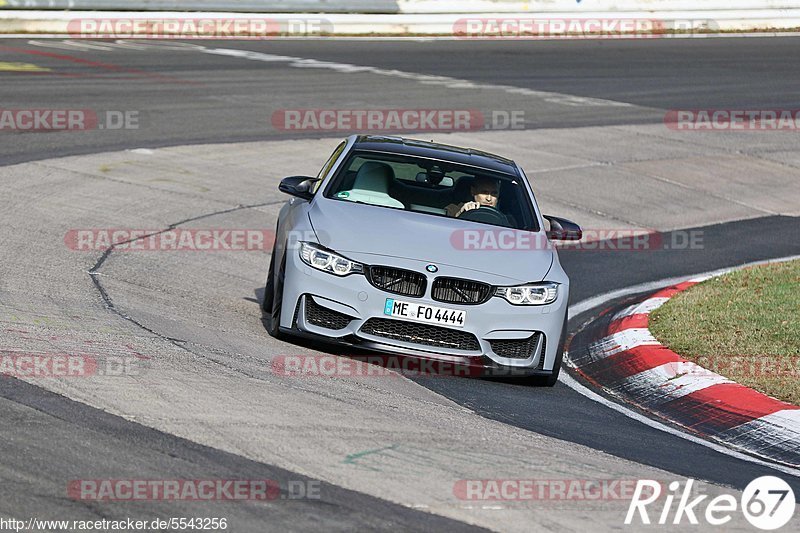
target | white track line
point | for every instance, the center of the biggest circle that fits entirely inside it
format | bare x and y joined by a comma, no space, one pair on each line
83,46
426,79
569,381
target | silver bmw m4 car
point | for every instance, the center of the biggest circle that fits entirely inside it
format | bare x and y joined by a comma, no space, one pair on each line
420,249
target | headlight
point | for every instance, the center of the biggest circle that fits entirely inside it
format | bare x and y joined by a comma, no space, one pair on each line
530,294
318,257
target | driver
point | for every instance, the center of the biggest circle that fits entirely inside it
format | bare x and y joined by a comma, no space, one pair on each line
485,192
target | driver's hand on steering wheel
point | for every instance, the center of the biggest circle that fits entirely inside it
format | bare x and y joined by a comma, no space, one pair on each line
468,206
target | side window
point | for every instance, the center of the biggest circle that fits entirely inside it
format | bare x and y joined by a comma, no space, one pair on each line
328,164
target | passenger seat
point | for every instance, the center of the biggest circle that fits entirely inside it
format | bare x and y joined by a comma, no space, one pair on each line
371,186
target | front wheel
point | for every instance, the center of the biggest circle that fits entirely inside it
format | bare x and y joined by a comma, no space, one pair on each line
273,296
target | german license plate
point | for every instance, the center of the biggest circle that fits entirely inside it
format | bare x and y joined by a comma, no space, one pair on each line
424,313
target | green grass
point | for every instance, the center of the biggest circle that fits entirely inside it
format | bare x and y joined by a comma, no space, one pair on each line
744,325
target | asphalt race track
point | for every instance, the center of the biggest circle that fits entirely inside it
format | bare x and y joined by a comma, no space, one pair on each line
199,98
206,153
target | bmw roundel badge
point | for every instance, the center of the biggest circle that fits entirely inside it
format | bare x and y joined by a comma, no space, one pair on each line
432,268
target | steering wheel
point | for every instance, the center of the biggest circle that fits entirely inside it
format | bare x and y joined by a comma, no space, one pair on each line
485,213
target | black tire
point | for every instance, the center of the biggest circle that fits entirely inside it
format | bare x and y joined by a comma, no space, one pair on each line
273,297
269,288
551,379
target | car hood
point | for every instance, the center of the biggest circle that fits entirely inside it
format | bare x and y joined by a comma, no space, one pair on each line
364,231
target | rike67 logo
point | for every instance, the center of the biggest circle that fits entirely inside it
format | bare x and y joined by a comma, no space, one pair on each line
767,502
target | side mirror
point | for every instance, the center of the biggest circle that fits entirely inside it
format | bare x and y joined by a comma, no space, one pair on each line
299,186
562,229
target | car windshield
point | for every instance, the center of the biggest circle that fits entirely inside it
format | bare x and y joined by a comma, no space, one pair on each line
434,187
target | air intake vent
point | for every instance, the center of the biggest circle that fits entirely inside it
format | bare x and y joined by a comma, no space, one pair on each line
541,356
424,334
515,348
324,317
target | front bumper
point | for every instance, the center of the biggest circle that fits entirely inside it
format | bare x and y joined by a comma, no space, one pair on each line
490,323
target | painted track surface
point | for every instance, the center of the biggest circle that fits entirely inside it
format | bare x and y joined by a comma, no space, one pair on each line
217,105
